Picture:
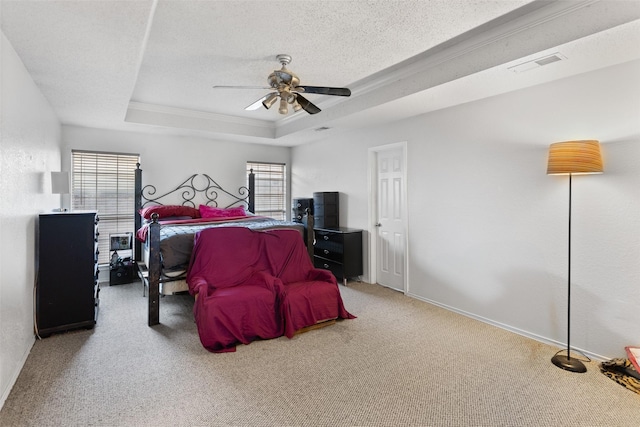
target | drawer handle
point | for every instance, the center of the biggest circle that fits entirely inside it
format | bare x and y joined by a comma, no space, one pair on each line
326,265
326,252
325,237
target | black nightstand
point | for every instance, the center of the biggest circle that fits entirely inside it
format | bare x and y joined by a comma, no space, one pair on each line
339,249
122,273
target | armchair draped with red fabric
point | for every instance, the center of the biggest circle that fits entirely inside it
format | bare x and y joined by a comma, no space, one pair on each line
309,295
235,300
246,280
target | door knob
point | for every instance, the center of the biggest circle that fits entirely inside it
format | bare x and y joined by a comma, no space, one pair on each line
378,224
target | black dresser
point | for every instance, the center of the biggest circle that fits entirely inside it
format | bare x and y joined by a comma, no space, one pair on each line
326,209
299,209
67,272
339,249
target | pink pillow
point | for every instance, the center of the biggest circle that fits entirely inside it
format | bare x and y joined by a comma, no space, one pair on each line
169,211
211,212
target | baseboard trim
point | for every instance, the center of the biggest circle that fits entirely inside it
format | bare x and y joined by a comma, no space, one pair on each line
527,334
16,374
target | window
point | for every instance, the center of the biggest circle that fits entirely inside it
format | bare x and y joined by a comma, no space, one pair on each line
270,189
105,182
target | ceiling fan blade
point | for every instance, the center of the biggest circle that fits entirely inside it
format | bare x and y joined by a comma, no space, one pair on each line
266,102
337,91
242,87
256,104
307,105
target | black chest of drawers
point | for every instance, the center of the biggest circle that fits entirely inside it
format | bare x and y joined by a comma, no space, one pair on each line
67,284
326,209
299,209
339,249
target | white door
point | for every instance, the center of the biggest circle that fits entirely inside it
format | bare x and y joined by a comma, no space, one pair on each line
390,242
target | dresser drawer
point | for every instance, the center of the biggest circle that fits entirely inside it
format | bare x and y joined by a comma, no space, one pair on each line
326,220
326,198
335,267
323,210
326,237
333,252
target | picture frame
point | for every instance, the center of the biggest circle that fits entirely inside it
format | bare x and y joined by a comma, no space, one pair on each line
120,241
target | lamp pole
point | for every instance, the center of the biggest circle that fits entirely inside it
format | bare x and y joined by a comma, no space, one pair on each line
569,280
561,361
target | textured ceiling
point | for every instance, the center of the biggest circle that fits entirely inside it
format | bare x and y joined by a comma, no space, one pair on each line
150,65
193,46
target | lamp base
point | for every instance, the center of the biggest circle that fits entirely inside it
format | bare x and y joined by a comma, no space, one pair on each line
568,364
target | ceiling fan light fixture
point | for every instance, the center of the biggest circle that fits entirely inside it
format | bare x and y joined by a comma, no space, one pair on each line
286,86
291,98
284,109
270,100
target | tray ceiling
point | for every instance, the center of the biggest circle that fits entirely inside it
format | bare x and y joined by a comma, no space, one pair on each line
150,65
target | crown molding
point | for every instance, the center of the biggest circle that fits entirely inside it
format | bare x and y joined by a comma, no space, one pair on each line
160,115
161,109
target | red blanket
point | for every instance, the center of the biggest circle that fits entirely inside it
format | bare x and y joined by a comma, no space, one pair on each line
257,284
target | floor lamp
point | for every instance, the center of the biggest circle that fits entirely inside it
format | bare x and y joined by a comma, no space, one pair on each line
572,158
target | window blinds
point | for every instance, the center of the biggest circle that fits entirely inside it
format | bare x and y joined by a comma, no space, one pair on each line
270,189
105,182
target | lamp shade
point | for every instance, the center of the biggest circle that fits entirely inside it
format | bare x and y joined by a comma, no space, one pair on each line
60,182
574,157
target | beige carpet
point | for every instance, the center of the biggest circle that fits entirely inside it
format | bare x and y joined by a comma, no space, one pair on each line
402,362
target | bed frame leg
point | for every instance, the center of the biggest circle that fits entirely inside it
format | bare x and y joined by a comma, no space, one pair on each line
311,238
154,271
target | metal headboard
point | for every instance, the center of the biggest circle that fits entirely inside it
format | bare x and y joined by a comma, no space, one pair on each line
209,192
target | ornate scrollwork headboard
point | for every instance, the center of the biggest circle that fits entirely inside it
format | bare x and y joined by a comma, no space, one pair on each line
193,193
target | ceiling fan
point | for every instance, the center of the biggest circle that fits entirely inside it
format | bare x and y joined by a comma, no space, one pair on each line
287,88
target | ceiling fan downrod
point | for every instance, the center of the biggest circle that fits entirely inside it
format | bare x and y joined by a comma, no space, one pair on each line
284,59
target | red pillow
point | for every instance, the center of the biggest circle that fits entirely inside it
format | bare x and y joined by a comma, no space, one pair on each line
211,212
169,211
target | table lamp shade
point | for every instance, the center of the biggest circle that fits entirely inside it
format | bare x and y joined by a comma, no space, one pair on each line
60,182
574,157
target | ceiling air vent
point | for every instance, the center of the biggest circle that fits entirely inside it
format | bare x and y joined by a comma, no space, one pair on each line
538,62
321,129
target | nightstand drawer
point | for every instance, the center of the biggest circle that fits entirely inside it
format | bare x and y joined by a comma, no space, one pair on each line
330,250
328,238
335,267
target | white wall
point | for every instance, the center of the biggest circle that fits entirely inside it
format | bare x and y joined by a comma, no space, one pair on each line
488,227
28,153
168,160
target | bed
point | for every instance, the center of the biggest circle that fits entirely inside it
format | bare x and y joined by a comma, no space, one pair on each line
166,223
